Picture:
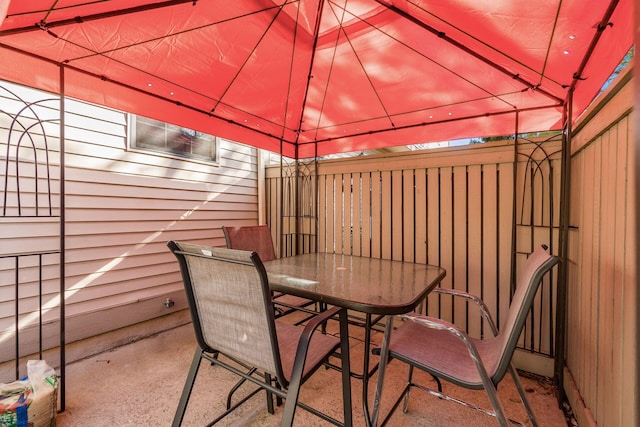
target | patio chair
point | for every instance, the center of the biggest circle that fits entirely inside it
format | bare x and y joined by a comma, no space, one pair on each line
446,352
258,238
235,328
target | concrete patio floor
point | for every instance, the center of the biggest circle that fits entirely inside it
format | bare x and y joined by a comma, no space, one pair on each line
139,384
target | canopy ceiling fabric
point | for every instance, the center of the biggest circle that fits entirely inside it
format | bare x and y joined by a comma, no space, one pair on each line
315,77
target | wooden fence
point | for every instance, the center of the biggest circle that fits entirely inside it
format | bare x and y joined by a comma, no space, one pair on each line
454,207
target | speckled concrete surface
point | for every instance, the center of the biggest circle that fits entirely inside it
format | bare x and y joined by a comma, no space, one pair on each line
139,384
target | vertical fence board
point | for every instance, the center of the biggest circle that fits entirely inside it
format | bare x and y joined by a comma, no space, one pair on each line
276,213
339,212
386,215
376,206
322,213
420,209
331,213
356,220
533,334
595,309
505,215
489,241
618,157
409,236
540,199
446,238
606,279
433,229
397,215
366,214
474,243
460,243
557,178
347,208
420,216
628,401
590,308
574,288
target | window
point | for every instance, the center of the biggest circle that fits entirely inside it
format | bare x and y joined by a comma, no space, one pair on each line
153,135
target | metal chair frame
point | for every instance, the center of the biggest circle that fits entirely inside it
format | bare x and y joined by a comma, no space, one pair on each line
537,266
274,383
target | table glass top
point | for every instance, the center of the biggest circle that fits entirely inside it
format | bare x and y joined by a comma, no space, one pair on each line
369,285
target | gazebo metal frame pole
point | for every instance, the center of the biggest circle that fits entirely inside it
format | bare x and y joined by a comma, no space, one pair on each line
62,244
561,298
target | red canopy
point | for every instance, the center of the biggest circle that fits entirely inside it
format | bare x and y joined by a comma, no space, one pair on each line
323,76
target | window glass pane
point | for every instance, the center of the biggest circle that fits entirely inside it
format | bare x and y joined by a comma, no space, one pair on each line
154,135
149,134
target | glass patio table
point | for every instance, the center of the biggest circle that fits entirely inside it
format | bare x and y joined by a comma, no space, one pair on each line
367,285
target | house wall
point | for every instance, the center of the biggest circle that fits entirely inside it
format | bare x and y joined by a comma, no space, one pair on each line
122,206
601,323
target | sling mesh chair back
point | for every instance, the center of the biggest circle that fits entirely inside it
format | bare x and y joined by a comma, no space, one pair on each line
251,238
258,238
235,327
446,352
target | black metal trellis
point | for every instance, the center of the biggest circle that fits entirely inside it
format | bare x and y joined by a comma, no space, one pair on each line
538,203
30,128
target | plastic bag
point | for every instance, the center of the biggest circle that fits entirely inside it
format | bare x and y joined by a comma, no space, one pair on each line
32,401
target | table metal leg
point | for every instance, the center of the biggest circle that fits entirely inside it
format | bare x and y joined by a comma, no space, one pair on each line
384,353
346,369
365,369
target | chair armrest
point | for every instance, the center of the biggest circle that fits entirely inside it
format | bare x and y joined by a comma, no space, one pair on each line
317,320
483,307
304,342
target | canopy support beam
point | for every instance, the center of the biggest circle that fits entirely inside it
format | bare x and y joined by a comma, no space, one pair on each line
604,23
456,119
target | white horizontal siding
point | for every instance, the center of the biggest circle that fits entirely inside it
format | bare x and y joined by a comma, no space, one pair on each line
122,206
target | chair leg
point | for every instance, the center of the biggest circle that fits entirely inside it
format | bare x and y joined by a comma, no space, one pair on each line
523,397
188,386
405,405
236,387
495,402
268,380
293,391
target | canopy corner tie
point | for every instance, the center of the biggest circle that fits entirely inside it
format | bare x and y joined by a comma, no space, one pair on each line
577,76
44,27
78,19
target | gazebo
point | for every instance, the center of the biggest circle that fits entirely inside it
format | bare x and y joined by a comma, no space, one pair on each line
309,79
